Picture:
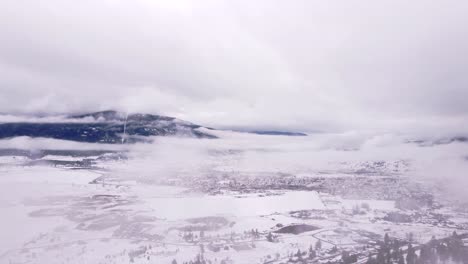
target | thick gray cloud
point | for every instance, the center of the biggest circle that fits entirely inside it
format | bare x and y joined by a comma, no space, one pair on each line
307,65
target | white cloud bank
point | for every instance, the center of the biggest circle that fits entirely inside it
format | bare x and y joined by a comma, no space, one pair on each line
305,65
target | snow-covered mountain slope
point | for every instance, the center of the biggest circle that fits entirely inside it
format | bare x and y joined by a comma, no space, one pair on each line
104,127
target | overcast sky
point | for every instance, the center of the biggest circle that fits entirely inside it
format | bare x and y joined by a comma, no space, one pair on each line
300,65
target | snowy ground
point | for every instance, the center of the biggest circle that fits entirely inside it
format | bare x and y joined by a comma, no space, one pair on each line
117,211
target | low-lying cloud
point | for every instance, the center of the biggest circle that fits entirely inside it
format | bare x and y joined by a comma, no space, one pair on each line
442,166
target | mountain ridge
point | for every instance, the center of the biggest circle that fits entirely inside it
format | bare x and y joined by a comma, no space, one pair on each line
108,126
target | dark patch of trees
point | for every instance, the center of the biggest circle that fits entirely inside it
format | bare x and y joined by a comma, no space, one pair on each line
448,250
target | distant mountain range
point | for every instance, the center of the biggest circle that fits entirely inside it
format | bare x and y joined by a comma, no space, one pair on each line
439,141
105,127
277,133
112,127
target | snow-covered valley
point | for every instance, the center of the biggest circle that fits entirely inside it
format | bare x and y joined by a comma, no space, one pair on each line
240,198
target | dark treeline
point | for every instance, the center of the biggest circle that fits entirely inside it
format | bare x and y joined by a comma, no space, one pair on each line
447,250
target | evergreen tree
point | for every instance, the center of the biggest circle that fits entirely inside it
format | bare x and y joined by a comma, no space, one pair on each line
312,253
411,255
269,237
299,254
381,257
388,257
424,254
401,259
345,256
334,249
386,239
396,249
318,245
442,252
